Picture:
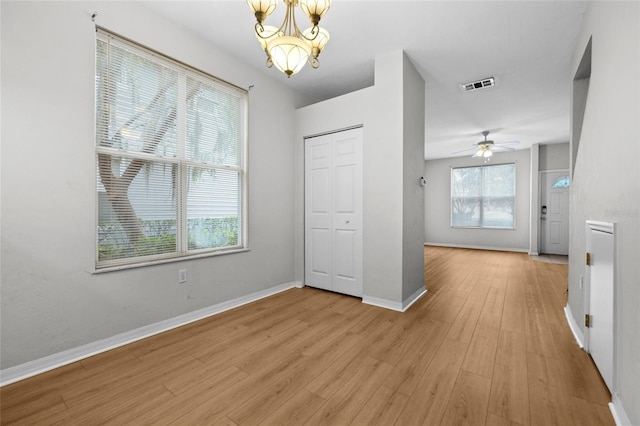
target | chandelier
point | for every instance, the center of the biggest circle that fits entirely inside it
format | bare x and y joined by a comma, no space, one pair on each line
287,47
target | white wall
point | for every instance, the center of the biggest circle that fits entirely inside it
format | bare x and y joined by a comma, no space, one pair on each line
333,114
379,109
413,168
51,301
534,188
606,179
438,228
554,156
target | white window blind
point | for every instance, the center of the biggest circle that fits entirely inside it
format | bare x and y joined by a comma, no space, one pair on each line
170,155
483,196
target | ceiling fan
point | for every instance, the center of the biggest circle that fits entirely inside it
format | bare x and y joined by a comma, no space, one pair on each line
486,148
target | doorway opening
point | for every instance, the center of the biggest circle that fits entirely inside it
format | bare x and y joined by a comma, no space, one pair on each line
554,212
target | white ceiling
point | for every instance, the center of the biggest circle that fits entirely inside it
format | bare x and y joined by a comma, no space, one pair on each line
525,45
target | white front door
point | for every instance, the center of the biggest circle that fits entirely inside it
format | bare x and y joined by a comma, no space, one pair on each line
333,212
600,299
554,212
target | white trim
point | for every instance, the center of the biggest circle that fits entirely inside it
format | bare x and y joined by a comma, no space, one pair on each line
413,298
395,306
382,303
617,411
555,170
330,132
167,260
534,208
573,325
32,368
468,246
534,253
608,227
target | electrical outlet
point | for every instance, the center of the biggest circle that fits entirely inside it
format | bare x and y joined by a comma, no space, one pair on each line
182,276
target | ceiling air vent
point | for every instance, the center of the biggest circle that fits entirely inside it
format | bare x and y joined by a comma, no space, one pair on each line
480,84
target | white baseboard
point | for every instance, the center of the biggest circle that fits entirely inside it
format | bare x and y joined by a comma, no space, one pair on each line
406,304
395,306
472,246
32,368
573,325
615,406
382,303
617,411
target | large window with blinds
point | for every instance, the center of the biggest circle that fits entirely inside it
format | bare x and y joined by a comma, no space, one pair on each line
483,196
170,158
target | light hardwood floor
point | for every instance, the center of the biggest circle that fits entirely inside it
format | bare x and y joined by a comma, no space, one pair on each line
488,344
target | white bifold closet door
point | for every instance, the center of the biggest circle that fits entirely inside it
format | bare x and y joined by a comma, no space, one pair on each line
333,212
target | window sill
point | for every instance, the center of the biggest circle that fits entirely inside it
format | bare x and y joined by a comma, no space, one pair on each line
163,261
483,228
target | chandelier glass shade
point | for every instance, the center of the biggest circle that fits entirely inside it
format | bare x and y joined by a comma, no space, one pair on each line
315,9
289,54
269,33
317,42
287,47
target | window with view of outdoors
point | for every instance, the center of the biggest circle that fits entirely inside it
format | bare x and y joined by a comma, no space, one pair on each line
170,155
483,196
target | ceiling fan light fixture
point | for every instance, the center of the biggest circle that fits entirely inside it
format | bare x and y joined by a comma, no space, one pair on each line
486,147
484,151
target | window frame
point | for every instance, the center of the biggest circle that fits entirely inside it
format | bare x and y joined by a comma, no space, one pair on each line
482,197
185,72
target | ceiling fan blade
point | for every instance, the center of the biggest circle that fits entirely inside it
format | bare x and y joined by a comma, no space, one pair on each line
502,149
475,148
507,143
495,147
477,154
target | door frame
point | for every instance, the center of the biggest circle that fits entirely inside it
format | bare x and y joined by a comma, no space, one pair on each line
539,206
610,228
304,196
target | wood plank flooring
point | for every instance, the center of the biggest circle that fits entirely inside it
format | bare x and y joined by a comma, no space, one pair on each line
487,345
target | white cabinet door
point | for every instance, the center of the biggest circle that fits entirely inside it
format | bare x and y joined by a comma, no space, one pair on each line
333,212
600,295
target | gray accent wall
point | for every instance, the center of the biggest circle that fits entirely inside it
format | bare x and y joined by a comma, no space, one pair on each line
438,228
51,300
413,169
606,176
